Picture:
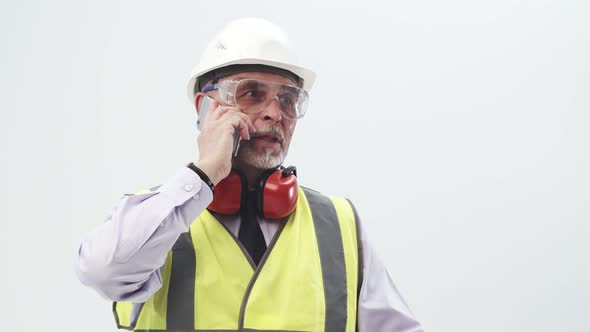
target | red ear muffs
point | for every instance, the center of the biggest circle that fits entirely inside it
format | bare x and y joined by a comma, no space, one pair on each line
277,190
279,193
228,195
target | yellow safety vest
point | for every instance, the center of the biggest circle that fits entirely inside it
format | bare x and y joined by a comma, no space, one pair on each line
308,279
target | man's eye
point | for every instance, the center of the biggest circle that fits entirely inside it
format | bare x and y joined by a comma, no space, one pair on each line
252,94
287,99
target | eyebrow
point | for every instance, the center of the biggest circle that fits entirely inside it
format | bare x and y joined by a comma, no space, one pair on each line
291,89
257,84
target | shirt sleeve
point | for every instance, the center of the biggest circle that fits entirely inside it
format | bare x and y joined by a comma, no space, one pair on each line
381,306
122,258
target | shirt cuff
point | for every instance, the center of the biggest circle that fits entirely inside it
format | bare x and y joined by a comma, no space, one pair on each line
184,185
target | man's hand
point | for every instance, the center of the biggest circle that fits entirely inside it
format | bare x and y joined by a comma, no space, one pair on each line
216,139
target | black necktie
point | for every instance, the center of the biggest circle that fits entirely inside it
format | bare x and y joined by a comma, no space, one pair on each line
250,234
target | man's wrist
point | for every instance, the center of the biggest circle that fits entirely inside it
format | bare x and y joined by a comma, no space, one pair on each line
209,169
203,173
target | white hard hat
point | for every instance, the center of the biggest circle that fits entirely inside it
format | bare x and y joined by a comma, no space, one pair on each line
249,41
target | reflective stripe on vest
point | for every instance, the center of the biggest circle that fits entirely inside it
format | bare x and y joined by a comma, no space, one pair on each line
306,281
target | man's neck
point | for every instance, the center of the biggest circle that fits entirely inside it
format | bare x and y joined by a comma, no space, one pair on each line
252,174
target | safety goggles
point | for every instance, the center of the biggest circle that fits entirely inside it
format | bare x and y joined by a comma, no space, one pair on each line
255,95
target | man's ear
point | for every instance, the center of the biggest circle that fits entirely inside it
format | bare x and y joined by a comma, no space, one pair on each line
198,100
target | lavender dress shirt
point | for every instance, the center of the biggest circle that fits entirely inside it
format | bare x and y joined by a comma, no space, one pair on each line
122,258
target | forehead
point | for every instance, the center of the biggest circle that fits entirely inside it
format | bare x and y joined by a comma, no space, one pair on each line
260,75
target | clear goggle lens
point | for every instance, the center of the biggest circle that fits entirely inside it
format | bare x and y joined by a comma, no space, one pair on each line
254,95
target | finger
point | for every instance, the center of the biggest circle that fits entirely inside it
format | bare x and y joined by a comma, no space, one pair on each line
251,127
241,125
215,110
247,120
211,109
233,112
213,105
225,112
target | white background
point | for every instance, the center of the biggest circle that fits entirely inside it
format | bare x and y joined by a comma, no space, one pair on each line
459,128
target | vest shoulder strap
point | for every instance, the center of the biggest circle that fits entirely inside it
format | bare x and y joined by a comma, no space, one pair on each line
336,225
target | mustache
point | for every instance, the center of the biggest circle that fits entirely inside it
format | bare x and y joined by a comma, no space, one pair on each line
269,131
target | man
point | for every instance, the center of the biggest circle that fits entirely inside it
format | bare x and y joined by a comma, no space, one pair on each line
231,242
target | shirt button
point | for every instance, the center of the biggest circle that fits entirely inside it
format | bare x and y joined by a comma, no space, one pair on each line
188,187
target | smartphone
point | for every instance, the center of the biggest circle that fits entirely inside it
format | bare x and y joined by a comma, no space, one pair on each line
203,110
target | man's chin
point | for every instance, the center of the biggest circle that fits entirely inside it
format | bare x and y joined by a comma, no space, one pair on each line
266,159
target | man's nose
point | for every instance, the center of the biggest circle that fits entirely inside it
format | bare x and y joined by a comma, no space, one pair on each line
273,110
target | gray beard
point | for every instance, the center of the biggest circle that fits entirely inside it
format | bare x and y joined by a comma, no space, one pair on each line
266,159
